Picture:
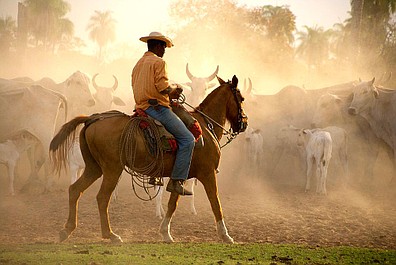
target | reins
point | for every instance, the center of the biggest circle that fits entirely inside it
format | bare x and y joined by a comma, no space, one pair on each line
230,135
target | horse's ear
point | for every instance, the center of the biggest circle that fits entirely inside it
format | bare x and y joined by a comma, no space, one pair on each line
234,81
221,81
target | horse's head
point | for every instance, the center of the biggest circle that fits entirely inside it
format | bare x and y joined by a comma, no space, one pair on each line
235,113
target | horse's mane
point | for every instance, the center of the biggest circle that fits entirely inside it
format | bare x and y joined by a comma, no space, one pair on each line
212,94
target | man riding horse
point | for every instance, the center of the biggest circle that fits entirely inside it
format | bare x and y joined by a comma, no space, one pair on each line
151,89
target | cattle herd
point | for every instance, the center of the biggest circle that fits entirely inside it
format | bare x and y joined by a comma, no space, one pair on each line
342,128
335,133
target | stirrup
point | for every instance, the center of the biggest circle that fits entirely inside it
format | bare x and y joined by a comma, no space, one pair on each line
156,181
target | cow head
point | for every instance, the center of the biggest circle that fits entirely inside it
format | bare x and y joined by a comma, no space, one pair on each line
302,136
104,96
199,86
77,89
328,111
364,94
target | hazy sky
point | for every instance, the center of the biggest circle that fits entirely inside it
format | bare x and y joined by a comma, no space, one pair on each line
138,18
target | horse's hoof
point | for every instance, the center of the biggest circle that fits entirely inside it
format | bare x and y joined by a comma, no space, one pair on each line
63,235
168,239
116,239
228,239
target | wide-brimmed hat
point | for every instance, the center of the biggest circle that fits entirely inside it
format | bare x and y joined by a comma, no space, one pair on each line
158,36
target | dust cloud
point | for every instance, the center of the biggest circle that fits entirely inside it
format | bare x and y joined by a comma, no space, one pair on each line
274,192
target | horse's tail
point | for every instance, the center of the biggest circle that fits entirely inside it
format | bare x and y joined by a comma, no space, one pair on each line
62,141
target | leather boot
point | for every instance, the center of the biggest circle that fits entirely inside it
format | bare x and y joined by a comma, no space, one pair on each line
177,185
156,181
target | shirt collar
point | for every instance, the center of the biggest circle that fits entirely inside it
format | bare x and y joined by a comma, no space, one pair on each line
149,53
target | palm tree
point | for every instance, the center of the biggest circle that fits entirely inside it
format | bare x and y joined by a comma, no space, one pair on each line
369,21
47,20
102,29
314,45
280,23
63,32
7,33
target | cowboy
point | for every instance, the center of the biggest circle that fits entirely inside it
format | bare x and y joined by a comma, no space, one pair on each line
151,89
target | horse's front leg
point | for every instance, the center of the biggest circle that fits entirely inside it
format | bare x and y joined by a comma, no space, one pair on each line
165,224
210,185
109,183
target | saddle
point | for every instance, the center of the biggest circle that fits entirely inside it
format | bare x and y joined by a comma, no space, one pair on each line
167,140
153,129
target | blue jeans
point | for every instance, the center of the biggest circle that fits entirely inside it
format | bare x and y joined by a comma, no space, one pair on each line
184,138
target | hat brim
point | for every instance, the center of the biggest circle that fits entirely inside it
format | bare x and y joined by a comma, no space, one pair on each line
168,41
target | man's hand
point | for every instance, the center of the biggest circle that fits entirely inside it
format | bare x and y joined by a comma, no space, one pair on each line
176,91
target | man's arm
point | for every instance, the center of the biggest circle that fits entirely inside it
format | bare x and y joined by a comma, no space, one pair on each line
171,88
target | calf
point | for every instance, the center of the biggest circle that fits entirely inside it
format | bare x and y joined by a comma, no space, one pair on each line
159,210
11,150
318,146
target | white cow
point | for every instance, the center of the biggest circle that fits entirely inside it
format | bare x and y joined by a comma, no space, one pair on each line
289,136
159,209
199,86
318,146
11,150
104,96
333,110
377,105
76,90
35,109
254,149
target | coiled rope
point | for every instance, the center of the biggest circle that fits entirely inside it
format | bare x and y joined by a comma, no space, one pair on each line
140,174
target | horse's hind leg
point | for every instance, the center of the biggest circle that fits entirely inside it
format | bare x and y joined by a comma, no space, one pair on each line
165,224
210,184
91,173
110,180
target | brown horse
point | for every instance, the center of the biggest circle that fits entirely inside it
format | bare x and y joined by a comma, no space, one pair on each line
100,147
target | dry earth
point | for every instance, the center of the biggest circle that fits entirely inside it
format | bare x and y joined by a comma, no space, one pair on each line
254,212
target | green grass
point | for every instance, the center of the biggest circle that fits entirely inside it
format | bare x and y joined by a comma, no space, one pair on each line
189,253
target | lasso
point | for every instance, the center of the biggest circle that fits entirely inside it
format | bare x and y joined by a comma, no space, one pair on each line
128,143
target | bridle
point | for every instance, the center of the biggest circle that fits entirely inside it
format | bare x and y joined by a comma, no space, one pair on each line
230,134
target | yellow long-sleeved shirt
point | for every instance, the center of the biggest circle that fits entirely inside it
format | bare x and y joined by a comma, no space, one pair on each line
149,78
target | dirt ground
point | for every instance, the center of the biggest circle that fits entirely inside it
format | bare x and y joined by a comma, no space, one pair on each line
263,211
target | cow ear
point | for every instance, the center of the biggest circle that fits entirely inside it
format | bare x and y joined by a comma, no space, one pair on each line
118,101
23,134
376,93
338,100
221,81
372,81
211,85
189,85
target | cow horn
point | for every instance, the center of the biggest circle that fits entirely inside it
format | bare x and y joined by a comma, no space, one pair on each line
115,83
385,79
249,90
93,81
212,76
188,73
